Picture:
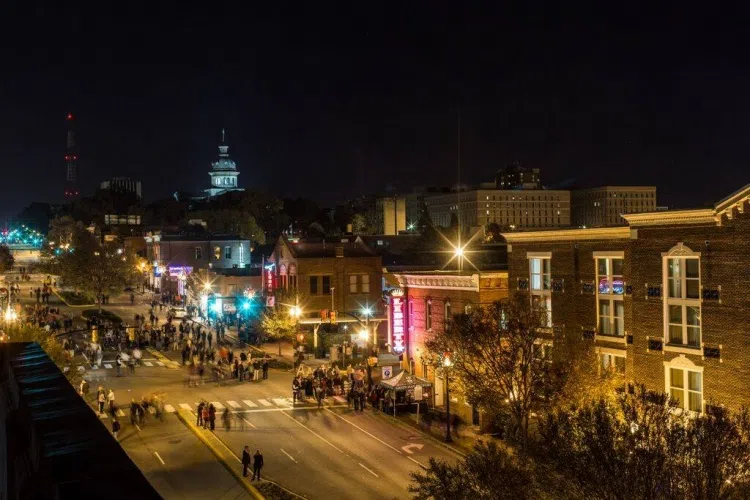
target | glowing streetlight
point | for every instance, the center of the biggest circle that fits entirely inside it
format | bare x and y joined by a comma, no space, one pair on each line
207,286
363,335
447,363
295,311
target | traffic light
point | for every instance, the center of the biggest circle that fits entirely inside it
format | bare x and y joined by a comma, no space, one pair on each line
324,314
333,317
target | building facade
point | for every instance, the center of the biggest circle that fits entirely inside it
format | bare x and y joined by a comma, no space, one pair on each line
391,215
664,300
223,172
516,176
423,303
123,185
515,209
173,257
605,206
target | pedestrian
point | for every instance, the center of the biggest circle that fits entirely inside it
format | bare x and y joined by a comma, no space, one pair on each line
111,401
83,389
226,419
256,368
118,362
211,416
265,368
245,460
199,421
131,365
133,412
102,399
115,427
257,464
205,417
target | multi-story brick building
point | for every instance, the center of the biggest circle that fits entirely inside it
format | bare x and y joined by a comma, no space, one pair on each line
604,206
664,299
422,302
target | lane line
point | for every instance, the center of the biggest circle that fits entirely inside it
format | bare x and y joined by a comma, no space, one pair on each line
315,433
249,403
139,429
120,413
248,422
418,463
368,470
361,429
159,457
107,366
288,455
296,408
339,399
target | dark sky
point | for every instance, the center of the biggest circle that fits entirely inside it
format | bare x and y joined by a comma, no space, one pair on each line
330,102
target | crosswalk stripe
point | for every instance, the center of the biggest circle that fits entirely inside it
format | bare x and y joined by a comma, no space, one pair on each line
107,366
280,402
233,404
264,402
185,406
217,405
169,408
339,399
160,363
249,403
148,363
120,413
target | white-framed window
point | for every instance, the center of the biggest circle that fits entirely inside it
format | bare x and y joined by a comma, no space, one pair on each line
359,283
198,253
428,314
611,362
353,288
683,382
227,252
610,286
682,297
540,282
609,274
365,282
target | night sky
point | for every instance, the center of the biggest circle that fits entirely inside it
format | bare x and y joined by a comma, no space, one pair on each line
333,102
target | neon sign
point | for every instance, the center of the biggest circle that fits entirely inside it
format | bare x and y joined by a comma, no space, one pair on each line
397,324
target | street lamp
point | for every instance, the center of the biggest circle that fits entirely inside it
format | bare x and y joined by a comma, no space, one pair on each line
458,252
447,364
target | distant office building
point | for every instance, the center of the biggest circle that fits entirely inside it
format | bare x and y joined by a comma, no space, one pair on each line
123,185
604,206
516,176
392,210
514,209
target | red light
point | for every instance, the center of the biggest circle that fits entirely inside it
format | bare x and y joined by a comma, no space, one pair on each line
75,157
70,116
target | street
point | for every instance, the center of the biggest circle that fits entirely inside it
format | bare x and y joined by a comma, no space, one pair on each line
314,452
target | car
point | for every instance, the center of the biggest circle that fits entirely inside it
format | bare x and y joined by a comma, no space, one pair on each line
178,312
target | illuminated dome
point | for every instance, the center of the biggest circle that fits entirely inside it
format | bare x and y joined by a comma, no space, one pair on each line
223,173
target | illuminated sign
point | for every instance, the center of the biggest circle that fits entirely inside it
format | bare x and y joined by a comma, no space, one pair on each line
177,270
270,279
397,324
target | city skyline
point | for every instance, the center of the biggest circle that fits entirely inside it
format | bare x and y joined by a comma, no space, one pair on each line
586,106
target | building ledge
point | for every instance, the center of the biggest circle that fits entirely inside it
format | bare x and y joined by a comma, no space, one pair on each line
682,349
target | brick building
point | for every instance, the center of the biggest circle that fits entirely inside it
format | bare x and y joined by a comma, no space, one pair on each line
426,300
664,299
605,206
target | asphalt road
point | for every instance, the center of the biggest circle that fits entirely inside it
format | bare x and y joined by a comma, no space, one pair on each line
314,452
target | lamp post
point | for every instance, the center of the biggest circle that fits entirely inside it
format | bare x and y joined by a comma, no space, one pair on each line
459,253
447,364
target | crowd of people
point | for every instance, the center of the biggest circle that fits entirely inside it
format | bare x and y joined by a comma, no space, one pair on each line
327,380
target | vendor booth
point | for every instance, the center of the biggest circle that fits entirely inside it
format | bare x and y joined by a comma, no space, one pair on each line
406,392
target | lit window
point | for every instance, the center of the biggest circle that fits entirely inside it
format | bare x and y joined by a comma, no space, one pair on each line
217,253
612,362
353,288
686,388
198,253
540,274
428,314
365,281
682,304
227,252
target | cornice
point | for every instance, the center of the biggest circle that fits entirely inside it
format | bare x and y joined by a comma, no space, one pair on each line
594,233
672,217
438,282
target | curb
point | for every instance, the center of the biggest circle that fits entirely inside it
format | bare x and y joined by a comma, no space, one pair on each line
66,302
461,452
221,451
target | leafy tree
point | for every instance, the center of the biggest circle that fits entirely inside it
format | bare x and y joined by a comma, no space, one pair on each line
316,230
23,332
639,447
94,268
493,232
6,259
359,224
499,361
489,472
278,323
227,221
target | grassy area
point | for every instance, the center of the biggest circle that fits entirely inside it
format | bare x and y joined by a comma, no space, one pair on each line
104,314
273,492
76,299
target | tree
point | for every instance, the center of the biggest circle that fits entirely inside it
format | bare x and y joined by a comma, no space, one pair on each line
228,221
490,471
639,447
22,332
499,359
6,259
278,322
95,268
359,224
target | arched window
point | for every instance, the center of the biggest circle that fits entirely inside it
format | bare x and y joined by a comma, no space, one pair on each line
447,314
283,276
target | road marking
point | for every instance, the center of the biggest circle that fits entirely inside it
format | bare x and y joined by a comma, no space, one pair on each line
139,429
361,429
249,403
409,446
288,455
248,422
233,404
120,413
160,363
157,456
264,402
315,434
185,406
418,463
169,408
107,366
339,399
217,405
148,363
368,470
280,402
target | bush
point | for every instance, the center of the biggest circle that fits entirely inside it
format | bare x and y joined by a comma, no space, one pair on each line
103,315
77,299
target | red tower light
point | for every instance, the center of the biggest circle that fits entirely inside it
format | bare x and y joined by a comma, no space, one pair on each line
70,116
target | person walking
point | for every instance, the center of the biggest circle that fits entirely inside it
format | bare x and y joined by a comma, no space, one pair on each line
111,401
211,416
199,421
83,389
205,417
265,368
115,427
256,368
118,362
245,460
226,419
101,398
257,464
